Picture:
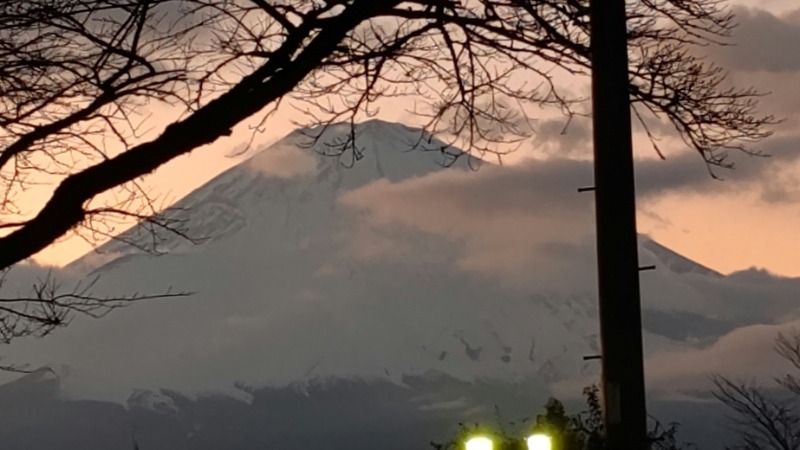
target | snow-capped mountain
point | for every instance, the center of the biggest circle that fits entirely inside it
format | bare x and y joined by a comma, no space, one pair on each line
306,308
280,246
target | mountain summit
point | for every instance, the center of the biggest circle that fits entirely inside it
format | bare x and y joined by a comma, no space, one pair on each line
304,171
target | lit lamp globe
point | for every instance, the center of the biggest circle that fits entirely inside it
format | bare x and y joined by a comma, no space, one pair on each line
479,443
539,441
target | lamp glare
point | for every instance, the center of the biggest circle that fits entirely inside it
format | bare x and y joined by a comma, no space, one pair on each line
479,443
539,442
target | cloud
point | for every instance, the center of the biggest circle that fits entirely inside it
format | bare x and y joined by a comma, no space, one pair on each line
773,177
760,55
747,352
563,138
527,226
284,161
506,220
524,223
762,42
793,17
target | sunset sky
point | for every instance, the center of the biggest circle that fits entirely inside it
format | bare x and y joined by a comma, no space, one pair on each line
750,218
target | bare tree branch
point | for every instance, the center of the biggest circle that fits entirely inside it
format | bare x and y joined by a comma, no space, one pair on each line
49,306
766,419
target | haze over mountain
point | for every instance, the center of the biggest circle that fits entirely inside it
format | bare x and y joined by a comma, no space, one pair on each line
407,292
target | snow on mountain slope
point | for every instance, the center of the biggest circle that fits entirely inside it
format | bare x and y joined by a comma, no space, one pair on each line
279,300
677,263
282,298
289,183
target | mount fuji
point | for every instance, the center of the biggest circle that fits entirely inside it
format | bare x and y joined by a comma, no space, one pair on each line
326,313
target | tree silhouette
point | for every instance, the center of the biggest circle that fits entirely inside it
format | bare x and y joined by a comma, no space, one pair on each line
77,78
581,431
767,419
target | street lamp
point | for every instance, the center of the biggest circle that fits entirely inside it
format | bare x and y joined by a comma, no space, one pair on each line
539,441
536,441
479,443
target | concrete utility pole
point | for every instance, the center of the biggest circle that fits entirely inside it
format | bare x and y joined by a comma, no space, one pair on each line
617,254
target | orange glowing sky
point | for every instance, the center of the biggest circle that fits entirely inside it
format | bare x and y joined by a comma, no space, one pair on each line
728,229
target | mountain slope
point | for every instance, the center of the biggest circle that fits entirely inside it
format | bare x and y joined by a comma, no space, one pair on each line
281,296
304,303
